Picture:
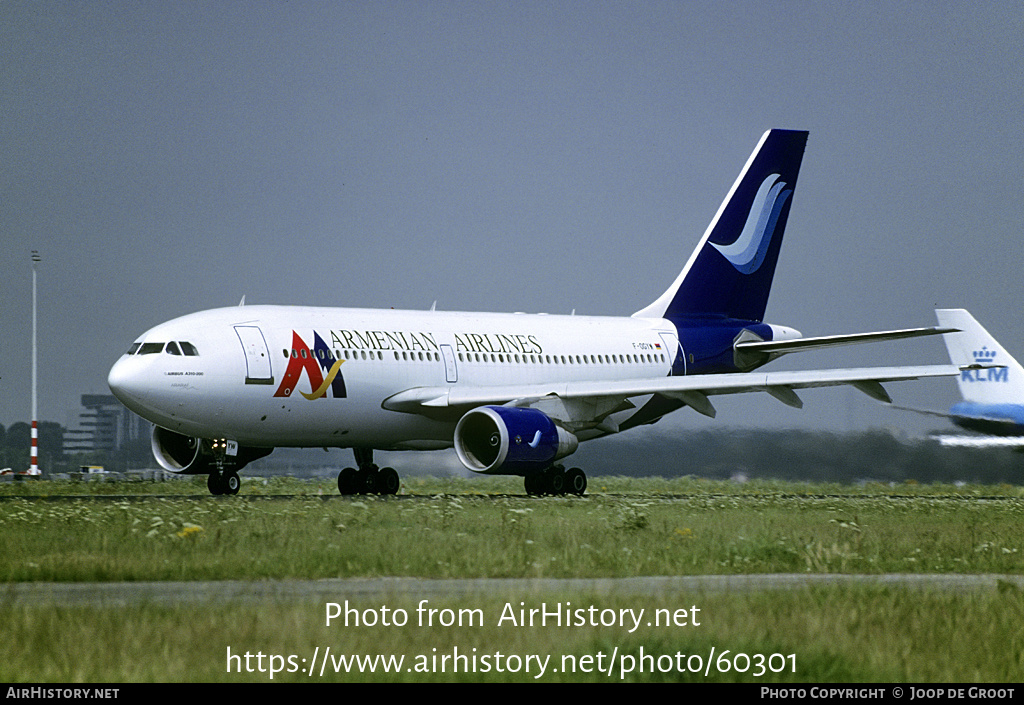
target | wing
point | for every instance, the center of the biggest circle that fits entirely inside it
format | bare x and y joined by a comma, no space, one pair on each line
580,404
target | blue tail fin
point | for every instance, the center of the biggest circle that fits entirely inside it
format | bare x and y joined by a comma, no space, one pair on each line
730,273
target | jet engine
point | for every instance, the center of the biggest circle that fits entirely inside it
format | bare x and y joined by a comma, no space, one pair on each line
197,456
178,453
501,440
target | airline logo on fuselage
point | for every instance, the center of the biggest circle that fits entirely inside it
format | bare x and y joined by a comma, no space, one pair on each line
320,366
413,341
321,363
992,374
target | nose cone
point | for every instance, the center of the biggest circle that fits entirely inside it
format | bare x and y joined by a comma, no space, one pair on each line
124,382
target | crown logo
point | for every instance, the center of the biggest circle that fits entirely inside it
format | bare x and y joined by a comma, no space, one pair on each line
984,356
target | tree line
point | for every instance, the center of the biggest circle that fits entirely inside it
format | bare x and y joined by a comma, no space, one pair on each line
16,443
805,456
800,456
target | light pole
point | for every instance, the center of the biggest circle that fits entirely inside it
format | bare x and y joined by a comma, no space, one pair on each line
34,467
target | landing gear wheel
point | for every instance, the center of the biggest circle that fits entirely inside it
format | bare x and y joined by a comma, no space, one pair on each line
533,484
348,481
388,481
231,482
556,481
369,479
214,483
575,481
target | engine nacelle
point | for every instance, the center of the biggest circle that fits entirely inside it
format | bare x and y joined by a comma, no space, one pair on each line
178,453
502,440
197,456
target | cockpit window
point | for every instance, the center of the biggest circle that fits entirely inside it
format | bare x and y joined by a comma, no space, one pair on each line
179,347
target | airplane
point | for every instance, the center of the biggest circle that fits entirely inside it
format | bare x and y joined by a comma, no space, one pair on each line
991,383
513,393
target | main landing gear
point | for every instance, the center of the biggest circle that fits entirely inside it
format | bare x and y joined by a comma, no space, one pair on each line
368,479
556,480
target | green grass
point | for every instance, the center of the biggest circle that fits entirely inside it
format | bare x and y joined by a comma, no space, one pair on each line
458,532
464,528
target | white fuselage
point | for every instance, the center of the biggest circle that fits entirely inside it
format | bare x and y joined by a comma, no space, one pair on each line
237,385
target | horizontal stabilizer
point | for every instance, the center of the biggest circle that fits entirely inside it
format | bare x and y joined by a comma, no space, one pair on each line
780,347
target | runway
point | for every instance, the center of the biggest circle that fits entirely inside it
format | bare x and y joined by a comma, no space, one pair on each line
292,591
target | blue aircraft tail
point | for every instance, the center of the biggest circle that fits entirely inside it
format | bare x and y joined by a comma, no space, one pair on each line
730,273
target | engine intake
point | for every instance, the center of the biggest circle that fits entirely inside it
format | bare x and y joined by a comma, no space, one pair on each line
178,453
501,440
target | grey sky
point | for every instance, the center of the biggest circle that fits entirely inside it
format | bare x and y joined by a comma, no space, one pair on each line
169,157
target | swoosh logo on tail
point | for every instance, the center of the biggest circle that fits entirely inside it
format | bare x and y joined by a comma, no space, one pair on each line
748,251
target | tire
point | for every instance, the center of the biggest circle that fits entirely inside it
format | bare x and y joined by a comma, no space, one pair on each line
214,483
532,484
388,481
370,480
347,480
556,482
575,481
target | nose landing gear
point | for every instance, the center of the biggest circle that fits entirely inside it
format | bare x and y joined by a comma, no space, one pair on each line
223,478
221,481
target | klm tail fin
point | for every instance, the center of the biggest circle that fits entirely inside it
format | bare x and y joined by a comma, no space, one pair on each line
730,273
975,346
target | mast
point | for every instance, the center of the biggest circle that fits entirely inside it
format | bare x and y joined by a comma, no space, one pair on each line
34,466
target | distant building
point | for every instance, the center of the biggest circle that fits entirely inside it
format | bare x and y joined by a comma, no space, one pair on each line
105,425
